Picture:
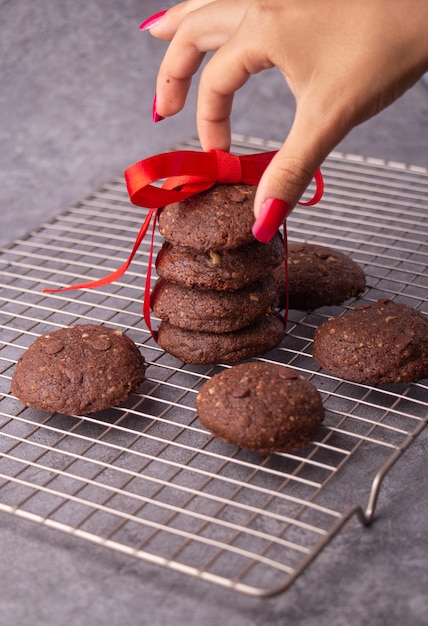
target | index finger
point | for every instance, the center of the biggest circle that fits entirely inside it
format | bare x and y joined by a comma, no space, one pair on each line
228,70
200,31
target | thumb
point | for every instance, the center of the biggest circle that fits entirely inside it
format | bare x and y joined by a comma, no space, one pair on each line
290,172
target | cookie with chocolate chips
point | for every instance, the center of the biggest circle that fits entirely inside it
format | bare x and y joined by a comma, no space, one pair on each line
219,270
77,370
260,406
202,348
383,342
218,219
318,276
213,311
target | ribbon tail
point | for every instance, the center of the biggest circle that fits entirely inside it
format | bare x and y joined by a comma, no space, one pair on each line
147,286
319,191
106,280
287,299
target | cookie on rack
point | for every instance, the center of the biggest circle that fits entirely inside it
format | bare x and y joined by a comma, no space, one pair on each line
205,348
218,219
261,406
77,370
381,342
219,270
318,276
213,311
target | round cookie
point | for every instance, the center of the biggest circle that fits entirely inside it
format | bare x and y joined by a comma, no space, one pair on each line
229,269
261,406
383,342
203,348
318,276
80,369
213,311
218,219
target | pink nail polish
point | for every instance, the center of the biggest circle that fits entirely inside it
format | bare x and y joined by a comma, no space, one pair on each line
155,115
272,215
152,21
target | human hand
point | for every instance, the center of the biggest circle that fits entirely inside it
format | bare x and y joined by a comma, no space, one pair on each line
344,61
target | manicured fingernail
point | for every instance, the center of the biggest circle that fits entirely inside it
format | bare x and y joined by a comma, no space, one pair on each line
272,215
155,115
152,20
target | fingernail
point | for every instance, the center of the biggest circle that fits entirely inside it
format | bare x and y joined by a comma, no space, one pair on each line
272,215
155,115
152,20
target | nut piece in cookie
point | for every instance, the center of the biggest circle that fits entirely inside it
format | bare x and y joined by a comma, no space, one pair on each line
383,342
77,370
318,276
261,406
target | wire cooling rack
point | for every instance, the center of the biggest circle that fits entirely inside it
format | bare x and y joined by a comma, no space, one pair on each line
146,479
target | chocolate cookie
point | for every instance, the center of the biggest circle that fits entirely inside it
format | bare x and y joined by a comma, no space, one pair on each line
318,276
202,348
228,269
213,311
261,406
218,219
80,369
384,342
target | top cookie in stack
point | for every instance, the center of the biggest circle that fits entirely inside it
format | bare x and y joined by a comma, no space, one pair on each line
216,293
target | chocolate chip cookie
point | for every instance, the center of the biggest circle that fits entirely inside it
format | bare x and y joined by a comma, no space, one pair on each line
80,369
383,342
218,219
318,276
213,311
219,270
261,406
203,348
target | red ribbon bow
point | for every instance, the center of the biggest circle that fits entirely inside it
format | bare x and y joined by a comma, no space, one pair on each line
186,174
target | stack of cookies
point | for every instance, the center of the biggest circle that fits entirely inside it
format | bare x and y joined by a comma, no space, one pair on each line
216,292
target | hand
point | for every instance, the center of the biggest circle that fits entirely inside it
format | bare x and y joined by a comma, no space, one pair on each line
344,61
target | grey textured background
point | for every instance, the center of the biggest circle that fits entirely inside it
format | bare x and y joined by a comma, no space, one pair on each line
77,83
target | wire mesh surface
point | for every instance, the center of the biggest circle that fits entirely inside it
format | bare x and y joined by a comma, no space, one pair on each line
146,479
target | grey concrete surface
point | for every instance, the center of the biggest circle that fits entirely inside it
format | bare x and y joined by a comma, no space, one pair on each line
77,83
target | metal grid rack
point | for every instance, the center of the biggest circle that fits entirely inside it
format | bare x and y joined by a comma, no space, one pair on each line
146,479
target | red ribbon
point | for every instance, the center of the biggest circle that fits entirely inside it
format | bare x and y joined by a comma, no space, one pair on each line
185,173
190,172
